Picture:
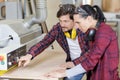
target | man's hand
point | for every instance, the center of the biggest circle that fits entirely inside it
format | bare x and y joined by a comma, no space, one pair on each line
24,60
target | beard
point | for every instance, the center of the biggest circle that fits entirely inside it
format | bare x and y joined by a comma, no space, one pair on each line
64,29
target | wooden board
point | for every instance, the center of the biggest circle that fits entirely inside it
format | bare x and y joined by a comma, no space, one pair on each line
43,63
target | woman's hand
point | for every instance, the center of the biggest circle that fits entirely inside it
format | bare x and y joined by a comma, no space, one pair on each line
67,65
59,73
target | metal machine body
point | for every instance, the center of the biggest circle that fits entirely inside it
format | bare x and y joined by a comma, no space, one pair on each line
17,36
9,56
15,40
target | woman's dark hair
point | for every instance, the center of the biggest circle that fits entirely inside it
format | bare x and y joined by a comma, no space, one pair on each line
66,9
88,10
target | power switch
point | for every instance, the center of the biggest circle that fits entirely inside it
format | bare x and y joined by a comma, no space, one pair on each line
1,58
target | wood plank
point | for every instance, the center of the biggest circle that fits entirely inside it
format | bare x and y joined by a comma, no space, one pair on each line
45,62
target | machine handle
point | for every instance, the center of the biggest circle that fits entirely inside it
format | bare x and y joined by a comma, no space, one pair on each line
4,42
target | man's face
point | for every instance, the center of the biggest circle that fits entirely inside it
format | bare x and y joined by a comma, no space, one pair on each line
66,23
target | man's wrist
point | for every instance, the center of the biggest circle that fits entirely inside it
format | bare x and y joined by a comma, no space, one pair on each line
29,56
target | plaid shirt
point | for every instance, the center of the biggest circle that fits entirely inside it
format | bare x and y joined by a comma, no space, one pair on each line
56,33
102,60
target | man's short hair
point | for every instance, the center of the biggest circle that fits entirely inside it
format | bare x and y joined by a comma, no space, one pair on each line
66,9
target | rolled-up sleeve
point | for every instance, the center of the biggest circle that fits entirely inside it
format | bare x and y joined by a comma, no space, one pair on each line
75,71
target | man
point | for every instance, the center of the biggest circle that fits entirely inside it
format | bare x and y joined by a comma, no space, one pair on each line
65,35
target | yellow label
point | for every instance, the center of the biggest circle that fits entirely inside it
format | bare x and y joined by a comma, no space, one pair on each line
4,71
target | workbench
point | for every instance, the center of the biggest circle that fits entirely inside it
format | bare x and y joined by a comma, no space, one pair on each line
47,61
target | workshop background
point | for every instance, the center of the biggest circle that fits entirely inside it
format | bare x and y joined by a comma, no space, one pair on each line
111,9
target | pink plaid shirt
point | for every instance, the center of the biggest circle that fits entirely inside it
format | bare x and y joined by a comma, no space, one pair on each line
101,62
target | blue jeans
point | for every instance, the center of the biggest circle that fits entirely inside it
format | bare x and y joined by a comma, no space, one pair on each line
77,77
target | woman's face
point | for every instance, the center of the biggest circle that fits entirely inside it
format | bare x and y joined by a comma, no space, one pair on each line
82,23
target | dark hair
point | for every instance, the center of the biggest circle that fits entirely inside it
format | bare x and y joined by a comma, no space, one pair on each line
66,9
88,10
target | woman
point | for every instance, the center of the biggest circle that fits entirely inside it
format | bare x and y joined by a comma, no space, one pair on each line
101,60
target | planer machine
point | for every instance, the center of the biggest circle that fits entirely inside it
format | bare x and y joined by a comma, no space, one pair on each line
18,35
15,40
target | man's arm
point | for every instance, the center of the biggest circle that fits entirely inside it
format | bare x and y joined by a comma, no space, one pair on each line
39,47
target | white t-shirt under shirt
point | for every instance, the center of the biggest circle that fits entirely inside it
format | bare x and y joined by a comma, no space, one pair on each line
75,52
74,47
